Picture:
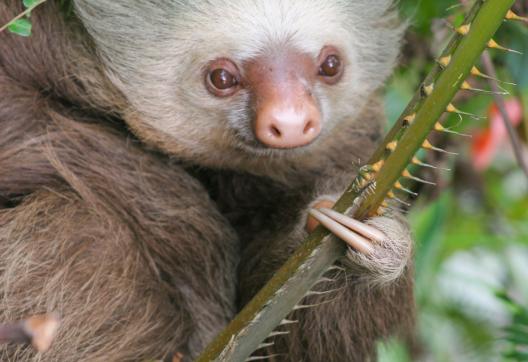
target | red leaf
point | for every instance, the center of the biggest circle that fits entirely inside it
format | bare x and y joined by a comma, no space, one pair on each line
487,142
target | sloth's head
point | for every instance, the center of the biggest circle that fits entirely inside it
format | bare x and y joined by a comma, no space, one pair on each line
223,82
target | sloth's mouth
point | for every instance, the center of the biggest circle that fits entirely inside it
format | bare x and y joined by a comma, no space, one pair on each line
254,148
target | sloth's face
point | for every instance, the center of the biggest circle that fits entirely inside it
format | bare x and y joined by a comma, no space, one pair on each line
221,82
276,98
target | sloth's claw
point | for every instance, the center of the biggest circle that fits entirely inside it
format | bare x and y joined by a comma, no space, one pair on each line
348,229
361,228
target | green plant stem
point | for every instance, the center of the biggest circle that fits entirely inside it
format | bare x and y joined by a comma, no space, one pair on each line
483,27
275,300
417,99
21,15
318,253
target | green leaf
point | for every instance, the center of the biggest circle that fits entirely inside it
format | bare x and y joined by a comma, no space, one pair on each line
30,3
21,27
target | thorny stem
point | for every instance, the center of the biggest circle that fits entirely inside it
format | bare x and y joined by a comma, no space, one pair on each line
434,105
21,15
318,253
499,100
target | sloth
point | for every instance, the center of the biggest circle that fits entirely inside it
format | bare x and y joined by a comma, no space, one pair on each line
159,160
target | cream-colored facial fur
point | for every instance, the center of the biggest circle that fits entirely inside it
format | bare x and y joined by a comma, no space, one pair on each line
156,52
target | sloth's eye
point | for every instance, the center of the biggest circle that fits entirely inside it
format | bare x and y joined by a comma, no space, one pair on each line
222,78
331,66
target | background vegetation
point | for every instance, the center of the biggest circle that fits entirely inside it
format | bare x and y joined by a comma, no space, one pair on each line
471,229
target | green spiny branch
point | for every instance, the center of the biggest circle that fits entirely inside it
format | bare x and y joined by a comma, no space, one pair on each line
318,253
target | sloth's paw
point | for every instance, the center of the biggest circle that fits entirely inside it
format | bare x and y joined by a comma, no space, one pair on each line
379,249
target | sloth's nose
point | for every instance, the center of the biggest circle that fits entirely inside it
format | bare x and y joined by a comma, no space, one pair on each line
288,126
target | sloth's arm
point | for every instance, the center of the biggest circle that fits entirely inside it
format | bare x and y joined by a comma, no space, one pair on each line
369,297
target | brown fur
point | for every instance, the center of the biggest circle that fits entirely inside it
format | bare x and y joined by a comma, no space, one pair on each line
138,252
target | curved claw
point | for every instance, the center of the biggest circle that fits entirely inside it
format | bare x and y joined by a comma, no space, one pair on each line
350,237
355,225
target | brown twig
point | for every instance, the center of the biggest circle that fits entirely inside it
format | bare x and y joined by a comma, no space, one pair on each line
39,331
501,104
524,99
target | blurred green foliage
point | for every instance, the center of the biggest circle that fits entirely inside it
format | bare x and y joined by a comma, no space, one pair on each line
472,229
517,331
